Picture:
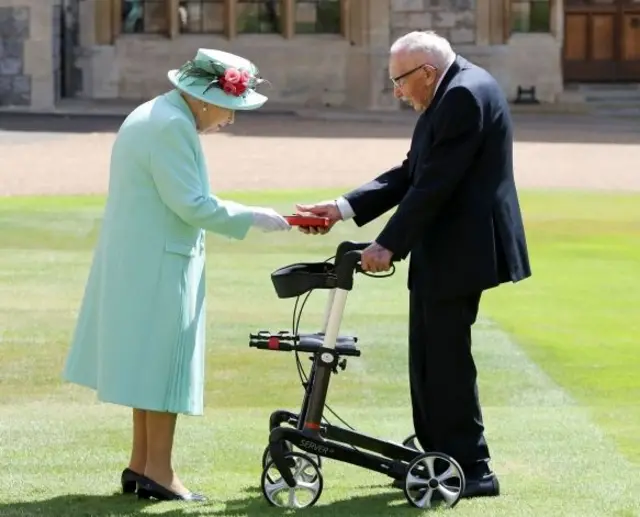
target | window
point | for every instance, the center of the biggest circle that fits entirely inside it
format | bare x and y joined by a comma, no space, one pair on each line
144,16
317,16
530,16
258,16
171,18
201,16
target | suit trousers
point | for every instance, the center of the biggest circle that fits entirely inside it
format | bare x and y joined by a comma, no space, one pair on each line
442,373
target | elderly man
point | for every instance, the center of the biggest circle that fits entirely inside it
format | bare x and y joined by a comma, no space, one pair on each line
459,217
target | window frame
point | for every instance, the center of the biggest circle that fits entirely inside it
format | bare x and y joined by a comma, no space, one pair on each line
509,14
108,21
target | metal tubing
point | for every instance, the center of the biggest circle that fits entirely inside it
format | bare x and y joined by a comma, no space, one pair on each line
318,395
327,310
335,318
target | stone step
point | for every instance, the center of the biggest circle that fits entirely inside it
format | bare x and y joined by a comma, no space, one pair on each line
600,87
607,100
608,93
631,113
617,104
625,108
613,97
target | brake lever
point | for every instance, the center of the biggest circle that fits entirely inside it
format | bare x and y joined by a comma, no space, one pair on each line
358,269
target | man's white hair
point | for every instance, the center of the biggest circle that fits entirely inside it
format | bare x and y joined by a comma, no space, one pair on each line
435,48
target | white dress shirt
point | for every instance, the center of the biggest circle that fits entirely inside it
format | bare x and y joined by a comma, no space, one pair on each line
343,205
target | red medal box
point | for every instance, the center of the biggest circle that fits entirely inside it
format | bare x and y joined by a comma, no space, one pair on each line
307,220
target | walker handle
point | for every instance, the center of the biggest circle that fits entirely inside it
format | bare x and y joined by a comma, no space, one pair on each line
347,246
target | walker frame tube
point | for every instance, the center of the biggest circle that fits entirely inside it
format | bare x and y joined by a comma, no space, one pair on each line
326,359
327,440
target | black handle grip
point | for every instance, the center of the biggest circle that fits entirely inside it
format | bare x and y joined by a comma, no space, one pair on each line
347,262
345,268
347,246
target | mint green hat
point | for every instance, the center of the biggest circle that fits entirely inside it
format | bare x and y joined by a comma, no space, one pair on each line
221,79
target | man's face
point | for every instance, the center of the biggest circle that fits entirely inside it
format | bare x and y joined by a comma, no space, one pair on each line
414,79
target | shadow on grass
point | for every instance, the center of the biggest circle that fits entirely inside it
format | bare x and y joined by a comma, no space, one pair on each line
251,504
78,505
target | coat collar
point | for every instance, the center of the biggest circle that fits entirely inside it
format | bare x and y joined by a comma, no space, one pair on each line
174,98
458,64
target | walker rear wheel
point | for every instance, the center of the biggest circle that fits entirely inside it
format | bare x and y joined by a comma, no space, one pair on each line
433,478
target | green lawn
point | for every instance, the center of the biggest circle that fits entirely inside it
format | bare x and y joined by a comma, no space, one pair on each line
579,315
561,429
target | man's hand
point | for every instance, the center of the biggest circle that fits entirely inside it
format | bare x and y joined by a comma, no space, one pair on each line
375,258
327,209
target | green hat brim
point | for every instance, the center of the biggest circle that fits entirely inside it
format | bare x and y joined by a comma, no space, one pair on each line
250,100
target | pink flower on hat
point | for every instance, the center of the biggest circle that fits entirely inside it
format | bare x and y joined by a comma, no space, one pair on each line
232,76
234,81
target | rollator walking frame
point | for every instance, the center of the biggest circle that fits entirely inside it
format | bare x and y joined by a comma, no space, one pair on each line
427,477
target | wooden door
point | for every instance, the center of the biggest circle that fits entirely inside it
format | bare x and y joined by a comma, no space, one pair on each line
629,67
602,40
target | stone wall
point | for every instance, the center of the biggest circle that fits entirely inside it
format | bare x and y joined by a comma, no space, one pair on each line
523,60
452,19
309,72
534,60
306,71
15,83
56,37
28,73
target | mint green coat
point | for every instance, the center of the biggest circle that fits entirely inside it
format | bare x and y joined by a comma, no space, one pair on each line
139,340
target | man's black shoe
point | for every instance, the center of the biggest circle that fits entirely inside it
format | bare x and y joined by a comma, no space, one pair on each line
486,486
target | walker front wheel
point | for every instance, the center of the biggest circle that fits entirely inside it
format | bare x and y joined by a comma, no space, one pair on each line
266,457
308,479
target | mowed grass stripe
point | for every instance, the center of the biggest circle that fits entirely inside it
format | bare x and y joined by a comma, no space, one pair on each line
577,317
551,459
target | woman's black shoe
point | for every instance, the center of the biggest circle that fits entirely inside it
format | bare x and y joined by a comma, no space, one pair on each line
129,481
149,489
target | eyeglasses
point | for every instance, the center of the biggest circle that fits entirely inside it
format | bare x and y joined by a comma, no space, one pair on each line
395,80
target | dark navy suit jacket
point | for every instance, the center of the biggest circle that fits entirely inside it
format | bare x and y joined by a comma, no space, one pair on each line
457,213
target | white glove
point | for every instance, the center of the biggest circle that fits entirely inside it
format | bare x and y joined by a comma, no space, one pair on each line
268,220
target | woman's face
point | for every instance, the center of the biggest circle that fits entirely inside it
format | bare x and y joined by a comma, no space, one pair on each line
213,118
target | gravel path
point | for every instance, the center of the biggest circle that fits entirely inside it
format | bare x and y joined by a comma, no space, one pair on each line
69,156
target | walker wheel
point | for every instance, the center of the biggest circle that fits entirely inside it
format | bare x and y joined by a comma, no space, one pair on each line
266,457
411,441
308,479
433,478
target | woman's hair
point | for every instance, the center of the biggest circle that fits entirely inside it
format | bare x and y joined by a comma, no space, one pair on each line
435,48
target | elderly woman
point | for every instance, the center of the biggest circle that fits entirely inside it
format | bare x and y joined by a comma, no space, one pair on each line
140,336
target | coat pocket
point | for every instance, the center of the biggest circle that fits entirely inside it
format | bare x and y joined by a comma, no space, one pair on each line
181,248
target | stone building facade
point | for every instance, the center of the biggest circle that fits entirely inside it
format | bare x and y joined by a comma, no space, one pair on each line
29,55
314,52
